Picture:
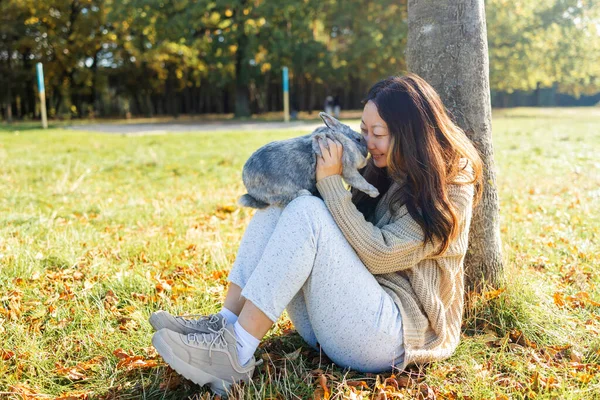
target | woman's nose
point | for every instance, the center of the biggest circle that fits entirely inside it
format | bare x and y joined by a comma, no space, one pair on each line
369,145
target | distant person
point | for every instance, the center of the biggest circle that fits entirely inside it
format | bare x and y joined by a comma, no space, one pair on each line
328,108
375,283
337,107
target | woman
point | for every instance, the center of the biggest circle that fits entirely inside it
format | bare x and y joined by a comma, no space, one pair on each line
377,283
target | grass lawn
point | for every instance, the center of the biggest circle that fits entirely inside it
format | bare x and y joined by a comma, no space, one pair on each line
97,231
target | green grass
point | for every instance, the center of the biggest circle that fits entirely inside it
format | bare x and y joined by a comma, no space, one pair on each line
98,231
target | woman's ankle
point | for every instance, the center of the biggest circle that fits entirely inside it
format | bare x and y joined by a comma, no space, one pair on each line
229,316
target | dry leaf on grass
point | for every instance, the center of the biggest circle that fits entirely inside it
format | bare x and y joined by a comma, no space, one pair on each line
72,373
26,392
130,362
172,380
120,353
322,379
77,372
493,293
136,362
579,300
6,354
75,396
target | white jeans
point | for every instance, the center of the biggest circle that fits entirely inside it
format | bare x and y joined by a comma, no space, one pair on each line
297,258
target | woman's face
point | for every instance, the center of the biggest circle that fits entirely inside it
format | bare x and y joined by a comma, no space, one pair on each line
376,133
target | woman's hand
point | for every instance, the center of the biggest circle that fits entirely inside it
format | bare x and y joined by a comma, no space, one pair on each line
331,161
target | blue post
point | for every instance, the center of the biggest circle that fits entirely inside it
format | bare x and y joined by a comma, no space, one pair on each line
286,95
41,89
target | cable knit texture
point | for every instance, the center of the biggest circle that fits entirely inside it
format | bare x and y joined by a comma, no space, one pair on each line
428,289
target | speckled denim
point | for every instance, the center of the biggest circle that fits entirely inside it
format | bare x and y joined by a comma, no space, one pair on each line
297,258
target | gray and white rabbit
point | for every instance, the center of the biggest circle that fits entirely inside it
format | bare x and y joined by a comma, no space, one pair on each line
280,171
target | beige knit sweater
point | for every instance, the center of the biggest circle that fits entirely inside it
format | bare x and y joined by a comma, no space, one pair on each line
428,289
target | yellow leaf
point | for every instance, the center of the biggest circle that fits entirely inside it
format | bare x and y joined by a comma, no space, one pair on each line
559,300
493,294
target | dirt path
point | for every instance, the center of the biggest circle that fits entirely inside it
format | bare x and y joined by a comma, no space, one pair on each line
188,126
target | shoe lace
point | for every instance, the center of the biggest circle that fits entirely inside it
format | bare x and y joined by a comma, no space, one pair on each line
215,338
208,319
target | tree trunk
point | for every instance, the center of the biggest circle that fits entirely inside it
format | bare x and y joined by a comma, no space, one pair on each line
188,101
537,94
9,116
242,74
447,46
311,95
9,111
94,96
29,86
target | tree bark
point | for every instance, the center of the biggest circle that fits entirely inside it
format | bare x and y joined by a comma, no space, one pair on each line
447,46
94,97
242,74
28,85
9,116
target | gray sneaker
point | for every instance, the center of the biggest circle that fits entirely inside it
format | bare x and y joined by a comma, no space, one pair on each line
205,324
205,358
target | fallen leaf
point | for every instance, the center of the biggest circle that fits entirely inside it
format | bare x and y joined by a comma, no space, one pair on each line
391,381
584,377
74,396
426,392
576,356
74,375
171,381
6,354
120,353
493,293
24,391
318,394
404,381
559,299
294,355
136,362
322,379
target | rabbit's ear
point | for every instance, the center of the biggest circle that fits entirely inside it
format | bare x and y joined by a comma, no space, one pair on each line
331,122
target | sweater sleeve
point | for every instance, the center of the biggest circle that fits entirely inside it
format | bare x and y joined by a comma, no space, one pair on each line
391,248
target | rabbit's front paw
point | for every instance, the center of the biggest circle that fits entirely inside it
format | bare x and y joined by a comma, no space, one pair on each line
372,191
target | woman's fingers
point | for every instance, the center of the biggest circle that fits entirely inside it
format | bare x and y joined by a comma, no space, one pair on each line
335,148
331,161
332,150
325,150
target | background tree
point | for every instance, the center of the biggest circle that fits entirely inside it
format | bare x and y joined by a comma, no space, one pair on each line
149,57
447,46
16,56
544,44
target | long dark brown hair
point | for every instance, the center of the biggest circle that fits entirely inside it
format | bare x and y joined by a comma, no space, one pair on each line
426,148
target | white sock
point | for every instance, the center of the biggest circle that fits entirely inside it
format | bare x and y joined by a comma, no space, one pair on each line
229,316
247,344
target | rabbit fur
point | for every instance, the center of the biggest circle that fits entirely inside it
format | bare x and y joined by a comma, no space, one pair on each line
280,171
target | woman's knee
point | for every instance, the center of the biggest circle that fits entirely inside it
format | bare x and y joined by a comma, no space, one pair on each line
310,205
270,214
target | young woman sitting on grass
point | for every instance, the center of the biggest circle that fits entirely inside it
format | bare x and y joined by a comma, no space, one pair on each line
376,283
